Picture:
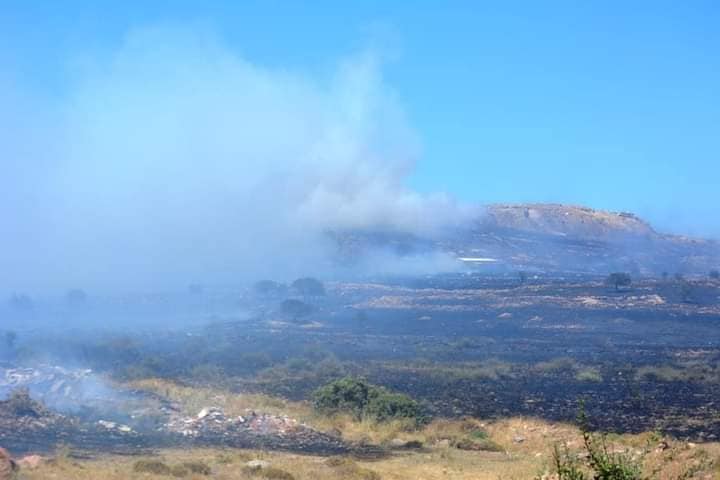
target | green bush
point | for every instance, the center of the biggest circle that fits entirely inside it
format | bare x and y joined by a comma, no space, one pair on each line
383,406
345,395
197,467
599,461
347,469
156,467
271,473
364,400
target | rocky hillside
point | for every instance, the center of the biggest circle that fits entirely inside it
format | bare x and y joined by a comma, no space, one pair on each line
550,238
567,221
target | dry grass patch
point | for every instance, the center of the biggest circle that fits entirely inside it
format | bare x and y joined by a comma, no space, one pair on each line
194,399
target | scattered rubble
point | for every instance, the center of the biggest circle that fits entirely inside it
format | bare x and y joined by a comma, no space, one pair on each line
212,426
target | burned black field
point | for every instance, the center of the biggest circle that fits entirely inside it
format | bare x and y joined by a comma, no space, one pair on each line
641,358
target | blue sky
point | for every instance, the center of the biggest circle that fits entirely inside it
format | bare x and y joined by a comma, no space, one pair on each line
611,104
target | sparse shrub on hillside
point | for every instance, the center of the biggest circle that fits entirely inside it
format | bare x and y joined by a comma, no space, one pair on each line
618,279
714,274
588,374
687,292
197,467
348,469
364,400
271,473
559,364
155,467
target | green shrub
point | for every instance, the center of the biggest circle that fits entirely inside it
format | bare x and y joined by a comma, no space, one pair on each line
477,445
179,471
364,400
345,395
347,469
599,463
271,473
588,375
383,406
156,467
197,467
567,466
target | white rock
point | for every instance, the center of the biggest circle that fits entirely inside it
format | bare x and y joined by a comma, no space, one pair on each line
257,464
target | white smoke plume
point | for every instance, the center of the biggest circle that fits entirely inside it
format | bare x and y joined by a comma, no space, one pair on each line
175,159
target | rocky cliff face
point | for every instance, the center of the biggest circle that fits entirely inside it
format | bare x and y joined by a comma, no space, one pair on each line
552,238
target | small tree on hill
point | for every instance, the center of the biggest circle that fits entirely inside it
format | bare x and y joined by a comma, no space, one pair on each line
618,279
687,292
295,309
309,287
365,400
76,296
10,339
715,274
20,301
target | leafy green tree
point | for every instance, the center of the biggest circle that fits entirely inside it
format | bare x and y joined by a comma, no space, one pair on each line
364,400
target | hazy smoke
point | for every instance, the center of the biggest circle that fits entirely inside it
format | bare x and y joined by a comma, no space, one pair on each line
175,159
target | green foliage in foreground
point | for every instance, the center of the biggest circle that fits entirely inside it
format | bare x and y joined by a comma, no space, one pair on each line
364,400
600,464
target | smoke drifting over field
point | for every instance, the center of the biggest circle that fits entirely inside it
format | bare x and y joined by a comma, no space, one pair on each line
175,159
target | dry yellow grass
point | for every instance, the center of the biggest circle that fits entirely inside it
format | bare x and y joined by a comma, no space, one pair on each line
524,460
193,399
525,447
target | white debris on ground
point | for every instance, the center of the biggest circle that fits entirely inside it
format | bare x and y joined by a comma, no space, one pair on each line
115,426
212,420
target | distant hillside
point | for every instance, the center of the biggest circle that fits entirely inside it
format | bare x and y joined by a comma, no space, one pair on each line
549,238
566,220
